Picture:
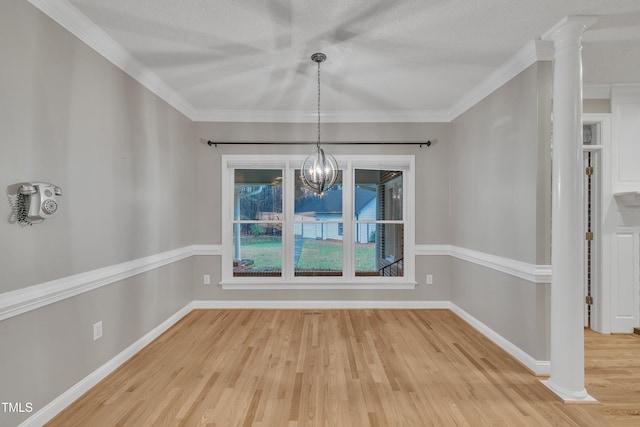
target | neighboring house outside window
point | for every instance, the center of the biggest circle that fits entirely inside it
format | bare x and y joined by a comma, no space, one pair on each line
359,232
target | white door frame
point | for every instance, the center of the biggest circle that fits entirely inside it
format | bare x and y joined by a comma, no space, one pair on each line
605,228
595,266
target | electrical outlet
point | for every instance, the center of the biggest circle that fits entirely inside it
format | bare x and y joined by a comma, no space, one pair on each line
97,330
429,279
206,279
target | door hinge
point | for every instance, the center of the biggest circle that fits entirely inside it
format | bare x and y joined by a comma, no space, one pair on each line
589,170
589,235
589,300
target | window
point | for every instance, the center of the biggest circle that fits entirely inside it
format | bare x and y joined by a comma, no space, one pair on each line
379,237
318,249
276,234
257,222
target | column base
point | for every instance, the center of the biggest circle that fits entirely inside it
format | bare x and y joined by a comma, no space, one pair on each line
568,396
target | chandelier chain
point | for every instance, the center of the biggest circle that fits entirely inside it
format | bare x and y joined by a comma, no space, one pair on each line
319,171
318,143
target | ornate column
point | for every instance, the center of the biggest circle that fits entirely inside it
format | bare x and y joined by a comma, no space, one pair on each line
567,228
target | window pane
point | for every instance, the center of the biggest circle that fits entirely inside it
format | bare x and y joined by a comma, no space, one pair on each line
257,249
318,230
379,249
325,207
258,194
378,195
591,134
317,256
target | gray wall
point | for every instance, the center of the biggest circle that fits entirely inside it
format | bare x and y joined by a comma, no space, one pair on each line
500,205
47,351
138,180
432,196
596,106
495,150
124,160
122,157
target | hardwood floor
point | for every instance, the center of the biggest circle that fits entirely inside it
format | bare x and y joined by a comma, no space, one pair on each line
612,375
348,368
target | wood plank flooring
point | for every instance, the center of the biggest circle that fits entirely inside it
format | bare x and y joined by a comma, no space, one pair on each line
612,375
347,368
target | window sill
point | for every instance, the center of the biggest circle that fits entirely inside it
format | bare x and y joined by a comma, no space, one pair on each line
315,286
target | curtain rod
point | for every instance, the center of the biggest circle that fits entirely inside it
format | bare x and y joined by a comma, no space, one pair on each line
216,143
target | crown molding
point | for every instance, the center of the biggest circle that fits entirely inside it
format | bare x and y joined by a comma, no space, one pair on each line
625,92
532,52
579,23
74,21
274,116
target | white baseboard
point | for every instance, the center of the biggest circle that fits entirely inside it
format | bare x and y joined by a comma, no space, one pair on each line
60,403
537,367
56,406
334,304
34,297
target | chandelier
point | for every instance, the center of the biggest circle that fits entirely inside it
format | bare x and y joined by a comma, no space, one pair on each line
319,170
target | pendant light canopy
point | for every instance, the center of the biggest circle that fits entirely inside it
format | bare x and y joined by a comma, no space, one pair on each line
319,170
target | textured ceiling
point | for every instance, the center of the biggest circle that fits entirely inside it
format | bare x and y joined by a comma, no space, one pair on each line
247,56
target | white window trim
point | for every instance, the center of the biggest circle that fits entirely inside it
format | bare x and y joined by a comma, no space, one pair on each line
288,163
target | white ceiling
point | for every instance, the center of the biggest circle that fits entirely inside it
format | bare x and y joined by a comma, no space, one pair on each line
408,60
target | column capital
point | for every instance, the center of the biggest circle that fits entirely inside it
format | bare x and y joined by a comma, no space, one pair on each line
570,28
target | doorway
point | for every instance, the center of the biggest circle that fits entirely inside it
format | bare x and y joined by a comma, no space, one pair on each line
592,235
596,136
